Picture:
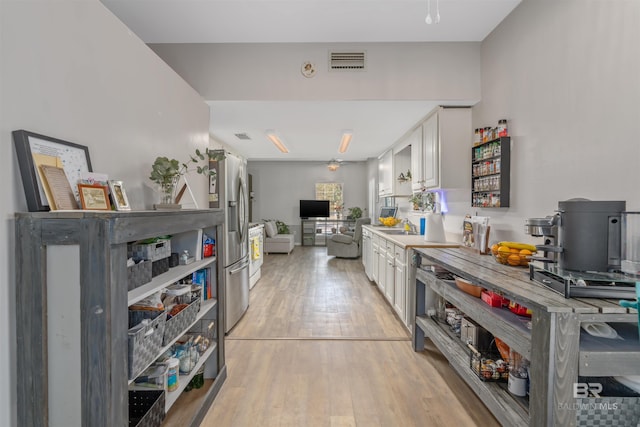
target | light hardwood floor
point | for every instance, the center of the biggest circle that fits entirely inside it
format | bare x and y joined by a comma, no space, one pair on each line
319,346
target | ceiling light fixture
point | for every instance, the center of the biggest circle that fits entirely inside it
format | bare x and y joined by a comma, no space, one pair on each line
333,165
428,19
276,141
346,139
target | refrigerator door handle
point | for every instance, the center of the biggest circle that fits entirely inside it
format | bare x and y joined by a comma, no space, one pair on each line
239,269
241,210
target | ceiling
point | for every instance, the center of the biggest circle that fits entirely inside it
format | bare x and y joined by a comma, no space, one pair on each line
311,130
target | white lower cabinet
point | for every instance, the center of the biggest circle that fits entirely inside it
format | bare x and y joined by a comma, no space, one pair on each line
382,266
390,289
373,259
400,281
387,263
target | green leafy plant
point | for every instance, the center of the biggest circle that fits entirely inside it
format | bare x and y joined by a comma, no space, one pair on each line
424,201
354,213
166,172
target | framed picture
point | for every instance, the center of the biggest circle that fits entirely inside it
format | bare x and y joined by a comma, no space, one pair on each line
34,150
119,196
94,197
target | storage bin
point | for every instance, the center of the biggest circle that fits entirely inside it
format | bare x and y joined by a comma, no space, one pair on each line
159,249
138,274
488,365
146,408
607,411
144,343
159,267
493,299
181,321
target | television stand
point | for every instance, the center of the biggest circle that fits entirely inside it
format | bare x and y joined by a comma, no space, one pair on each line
316,231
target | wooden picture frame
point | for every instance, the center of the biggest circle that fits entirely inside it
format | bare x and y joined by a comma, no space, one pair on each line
119,196
34,150
94,197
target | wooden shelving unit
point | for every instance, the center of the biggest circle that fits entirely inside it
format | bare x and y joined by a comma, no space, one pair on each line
72,303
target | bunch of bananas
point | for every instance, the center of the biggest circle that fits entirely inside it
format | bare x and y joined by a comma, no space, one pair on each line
389,221
513,253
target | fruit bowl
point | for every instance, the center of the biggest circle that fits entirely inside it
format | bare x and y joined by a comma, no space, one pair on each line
389,221
512,255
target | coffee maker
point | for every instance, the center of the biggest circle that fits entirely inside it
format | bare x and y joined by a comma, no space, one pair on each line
582,249
547,228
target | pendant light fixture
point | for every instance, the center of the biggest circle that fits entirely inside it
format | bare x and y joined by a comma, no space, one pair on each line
333,165
429,20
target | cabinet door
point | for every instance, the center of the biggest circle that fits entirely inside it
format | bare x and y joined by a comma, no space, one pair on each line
385,174
430,152
374,258
382,266
390,273
400,290
417,175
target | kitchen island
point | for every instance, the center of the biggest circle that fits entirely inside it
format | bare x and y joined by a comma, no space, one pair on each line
386,256
558,350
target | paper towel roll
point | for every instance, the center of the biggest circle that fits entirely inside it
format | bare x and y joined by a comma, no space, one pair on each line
434,228
600,329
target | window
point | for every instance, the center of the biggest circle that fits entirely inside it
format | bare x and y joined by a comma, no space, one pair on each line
333,192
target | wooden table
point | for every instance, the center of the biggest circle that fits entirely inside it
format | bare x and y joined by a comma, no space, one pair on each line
558,350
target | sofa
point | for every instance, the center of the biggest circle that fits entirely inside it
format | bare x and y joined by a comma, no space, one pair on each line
275,242
347,245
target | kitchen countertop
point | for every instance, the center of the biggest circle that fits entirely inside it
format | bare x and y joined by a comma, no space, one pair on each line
407,241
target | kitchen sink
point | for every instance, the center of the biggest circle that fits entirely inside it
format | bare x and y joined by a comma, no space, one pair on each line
399,232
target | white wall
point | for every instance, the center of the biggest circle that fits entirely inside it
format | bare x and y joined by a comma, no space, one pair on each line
395,71
71,70
566,74
279,186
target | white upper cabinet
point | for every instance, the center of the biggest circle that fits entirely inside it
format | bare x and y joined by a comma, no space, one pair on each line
401,168
439,160
417,177
385,174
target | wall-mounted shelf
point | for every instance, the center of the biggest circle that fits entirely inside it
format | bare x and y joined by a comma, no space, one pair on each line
490,173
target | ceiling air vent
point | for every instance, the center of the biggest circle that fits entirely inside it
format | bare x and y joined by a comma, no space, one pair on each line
242,135
346,61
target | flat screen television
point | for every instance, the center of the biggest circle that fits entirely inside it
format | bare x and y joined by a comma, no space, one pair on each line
314,209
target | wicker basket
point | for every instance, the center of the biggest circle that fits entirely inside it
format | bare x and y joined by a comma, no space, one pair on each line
150,251
146,408
144,343
181,321
607,411
160,266
138,274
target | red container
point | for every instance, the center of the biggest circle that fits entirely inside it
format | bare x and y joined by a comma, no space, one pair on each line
207,250
520,310
493,299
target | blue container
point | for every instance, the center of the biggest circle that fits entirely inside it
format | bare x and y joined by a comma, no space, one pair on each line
422,226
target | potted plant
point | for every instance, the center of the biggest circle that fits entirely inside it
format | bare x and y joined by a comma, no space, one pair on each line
423,201
416,201
354,213
167,172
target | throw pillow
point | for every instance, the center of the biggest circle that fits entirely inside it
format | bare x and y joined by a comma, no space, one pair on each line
270,228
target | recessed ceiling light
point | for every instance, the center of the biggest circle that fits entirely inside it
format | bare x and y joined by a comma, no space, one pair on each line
276,141
346,139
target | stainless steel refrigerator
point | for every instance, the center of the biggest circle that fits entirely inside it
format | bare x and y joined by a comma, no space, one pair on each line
233,197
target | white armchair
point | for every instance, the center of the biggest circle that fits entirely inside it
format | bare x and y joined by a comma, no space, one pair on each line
347,245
